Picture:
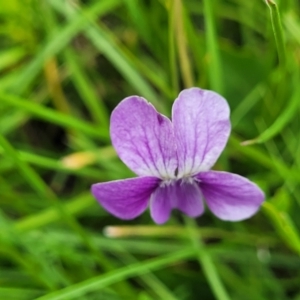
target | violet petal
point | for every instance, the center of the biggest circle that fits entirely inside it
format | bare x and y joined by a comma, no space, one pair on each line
161,205
143,138
125,199
230,196
185,196
202,127
189,199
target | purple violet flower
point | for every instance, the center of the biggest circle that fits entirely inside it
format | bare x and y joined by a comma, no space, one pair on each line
173,161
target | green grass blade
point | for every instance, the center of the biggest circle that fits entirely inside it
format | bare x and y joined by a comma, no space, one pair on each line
11,57
284,118
53,116
44,192
62,38
172,49
247,103
18,293
97,283
57,165
149,279
102,42
107,46
214,65
51,215
25,263
28,173
86,90
277,30
284,226
206,262
264,160
180,34
292,26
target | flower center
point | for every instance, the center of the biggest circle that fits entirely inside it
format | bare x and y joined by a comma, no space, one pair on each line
180,181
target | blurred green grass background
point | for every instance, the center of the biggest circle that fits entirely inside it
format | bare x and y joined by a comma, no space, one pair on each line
64,65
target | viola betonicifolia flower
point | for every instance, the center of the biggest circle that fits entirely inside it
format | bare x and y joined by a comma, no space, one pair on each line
173,161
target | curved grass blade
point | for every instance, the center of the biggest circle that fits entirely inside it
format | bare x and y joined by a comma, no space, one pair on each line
106,45
283,119
99,282
277,29
97,109
284,226
265,160
59,41
54,116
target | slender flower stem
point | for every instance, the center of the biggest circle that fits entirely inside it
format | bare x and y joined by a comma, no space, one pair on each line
277,29
206,262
